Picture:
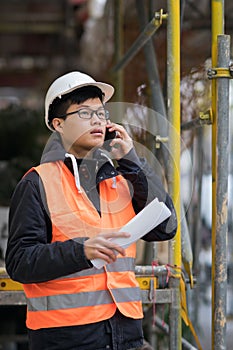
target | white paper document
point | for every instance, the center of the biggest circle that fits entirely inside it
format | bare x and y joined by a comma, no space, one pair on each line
148,218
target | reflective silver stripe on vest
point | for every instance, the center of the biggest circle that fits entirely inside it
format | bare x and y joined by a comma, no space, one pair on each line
120,265
70,301
126,294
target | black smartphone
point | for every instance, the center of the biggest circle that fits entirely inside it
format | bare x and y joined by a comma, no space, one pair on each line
109,135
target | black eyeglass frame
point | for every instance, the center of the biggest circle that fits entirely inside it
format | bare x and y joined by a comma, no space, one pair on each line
107,114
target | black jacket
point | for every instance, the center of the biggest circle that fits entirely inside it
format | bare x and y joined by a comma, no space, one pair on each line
30,255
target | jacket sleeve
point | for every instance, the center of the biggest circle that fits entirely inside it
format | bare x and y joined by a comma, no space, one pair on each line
30,257
145,186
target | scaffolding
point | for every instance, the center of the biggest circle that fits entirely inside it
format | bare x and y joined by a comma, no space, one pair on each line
218,117
148,276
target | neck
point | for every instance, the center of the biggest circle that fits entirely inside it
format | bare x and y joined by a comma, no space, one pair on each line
81,154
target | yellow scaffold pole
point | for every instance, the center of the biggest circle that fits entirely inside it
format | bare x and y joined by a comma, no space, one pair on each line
173,92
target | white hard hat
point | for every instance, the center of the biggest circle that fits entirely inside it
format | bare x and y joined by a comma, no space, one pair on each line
69,82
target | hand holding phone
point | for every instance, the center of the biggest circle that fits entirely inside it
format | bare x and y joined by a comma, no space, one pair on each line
109,135
122,143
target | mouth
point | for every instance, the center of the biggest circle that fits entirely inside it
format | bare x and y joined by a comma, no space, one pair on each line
97,132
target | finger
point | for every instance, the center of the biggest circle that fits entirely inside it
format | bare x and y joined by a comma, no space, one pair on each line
122,234
119,250
105,257
116,248
113,248
119,128
119,148
117,142
107,254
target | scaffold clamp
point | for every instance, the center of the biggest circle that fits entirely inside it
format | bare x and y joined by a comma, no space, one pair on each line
220,72
160,139
159,17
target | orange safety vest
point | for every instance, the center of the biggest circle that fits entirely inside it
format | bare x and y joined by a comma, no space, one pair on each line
90,295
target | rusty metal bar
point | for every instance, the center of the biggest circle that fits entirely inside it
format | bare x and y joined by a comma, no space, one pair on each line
222,150
203,119
174,316
148,270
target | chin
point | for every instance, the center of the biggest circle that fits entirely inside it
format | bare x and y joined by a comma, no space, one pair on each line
98,144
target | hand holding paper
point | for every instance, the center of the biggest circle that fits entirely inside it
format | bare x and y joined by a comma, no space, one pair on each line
151,216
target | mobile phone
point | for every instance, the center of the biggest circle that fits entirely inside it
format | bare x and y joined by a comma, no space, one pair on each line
109,135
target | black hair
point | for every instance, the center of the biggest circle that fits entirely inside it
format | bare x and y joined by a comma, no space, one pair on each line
60,105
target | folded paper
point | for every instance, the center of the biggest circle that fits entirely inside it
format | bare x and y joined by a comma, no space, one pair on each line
148,218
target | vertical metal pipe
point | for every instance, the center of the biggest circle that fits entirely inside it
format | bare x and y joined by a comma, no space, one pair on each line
196,214
175,336
157,100
222,148
118,40
173,94
217,19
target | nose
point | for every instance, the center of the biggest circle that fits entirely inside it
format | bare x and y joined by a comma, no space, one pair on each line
96,120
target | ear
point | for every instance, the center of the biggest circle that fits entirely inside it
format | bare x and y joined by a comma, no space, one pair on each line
58,124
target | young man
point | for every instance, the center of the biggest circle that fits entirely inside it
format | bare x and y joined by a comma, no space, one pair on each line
64,213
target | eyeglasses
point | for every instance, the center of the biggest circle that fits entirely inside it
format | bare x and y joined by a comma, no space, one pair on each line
87,113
